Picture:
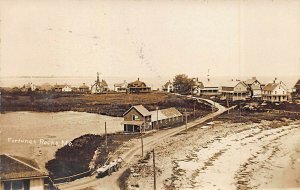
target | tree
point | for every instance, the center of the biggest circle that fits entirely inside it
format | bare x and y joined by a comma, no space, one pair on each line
183,84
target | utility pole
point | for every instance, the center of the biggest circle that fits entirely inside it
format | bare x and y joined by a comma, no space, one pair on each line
195,109
105,137
142,143
157,118
185,121
154,170
227,104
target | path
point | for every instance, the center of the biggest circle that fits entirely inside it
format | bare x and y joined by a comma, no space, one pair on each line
111,182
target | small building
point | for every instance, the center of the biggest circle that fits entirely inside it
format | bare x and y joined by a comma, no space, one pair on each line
165,117
275,92
62,88
138,87
255,87
197,87
241,91
83,88
18,173
168,87
99,86
28,87
121,87
137,119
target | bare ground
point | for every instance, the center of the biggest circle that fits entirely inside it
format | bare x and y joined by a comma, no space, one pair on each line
226,156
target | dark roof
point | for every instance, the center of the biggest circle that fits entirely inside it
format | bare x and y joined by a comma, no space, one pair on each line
270,86
84,86
16,167
141,109
297,85
137,83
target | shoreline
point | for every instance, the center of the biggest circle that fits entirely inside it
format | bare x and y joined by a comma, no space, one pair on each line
225,151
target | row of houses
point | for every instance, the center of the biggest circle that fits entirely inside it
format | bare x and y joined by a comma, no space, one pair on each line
99,86
275,91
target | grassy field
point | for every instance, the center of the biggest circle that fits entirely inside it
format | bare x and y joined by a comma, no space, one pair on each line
106,104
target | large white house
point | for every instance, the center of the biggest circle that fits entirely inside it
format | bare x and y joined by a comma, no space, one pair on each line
275,92
255,87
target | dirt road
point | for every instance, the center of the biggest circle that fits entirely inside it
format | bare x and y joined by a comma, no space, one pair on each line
111,182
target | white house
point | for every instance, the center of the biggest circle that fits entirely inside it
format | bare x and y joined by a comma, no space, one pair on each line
19,173
168,87
99,86
275,92
197,87
121,87
255,87
241,91
62,88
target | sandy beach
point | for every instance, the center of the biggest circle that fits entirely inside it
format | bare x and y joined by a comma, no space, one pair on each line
226,156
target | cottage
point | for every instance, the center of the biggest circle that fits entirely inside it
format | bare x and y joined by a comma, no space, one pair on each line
275,92
138,87
99,86
121,87
137,119
197,87
255,87
84,88
168,87
29,87
62,88
18,173
241,91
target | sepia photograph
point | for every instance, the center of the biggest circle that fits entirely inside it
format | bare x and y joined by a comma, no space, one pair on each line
149,94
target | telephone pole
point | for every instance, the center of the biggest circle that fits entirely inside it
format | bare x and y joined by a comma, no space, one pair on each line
154,170
157,118
185,120
195,109
105,137
142,143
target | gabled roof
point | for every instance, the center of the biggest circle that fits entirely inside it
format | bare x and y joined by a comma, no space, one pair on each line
297,85
84,86
165,114
272,86
167,84
16,167
137,83
139,108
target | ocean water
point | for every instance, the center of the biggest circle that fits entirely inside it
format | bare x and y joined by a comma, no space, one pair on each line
153,82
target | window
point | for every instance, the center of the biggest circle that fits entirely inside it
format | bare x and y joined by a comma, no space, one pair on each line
17,185
135,117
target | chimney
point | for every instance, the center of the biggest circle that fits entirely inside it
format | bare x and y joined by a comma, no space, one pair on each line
138,79
83,84
254,78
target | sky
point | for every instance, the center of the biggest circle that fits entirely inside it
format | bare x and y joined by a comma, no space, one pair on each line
150,38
